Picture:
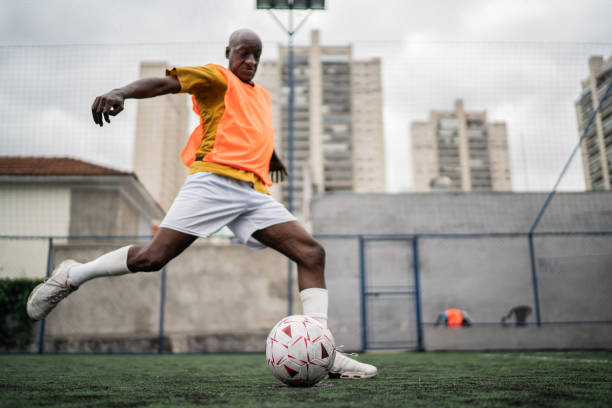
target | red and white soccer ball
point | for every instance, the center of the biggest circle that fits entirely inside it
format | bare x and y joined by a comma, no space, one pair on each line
300,350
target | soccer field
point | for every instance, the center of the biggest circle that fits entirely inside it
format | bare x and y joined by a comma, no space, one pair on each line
491,379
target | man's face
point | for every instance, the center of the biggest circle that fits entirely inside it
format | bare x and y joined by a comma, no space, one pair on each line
243,55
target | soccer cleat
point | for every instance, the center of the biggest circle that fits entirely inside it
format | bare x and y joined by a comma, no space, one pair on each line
346,367
45,296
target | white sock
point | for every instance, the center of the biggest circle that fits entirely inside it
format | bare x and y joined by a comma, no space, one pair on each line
314,303
110,264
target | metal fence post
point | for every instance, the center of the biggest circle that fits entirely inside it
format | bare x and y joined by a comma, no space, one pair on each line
41,337
417,291
162,307
534,279
362,276
289,287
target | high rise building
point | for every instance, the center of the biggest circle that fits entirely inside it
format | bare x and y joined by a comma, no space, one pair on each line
596,147
338,139
460,151
161,132
368,141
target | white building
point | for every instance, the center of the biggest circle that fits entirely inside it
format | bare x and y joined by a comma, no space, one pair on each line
64,197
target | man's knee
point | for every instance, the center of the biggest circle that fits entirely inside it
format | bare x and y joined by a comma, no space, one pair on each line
313,255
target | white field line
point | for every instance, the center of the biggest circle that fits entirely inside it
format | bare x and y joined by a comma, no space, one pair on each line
546,358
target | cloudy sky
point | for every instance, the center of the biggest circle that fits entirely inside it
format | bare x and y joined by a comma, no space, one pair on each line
521,61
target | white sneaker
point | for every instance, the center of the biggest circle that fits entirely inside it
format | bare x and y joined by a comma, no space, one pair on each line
45,296
346,367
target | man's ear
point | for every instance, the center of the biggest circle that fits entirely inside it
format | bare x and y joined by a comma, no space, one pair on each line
227,52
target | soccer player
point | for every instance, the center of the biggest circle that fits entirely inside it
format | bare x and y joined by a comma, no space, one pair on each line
454,318
226,186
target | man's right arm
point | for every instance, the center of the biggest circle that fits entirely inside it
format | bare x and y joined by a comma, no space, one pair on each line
111,103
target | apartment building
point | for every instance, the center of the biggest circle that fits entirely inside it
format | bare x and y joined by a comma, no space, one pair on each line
338,142
596,148
461,148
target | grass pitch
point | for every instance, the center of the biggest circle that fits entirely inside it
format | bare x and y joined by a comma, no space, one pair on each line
452,379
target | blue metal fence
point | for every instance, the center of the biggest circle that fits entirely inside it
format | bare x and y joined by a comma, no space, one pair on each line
415,291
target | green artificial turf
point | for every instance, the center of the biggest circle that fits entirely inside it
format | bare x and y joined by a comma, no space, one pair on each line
467,379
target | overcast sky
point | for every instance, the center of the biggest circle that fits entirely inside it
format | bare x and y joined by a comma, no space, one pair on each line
521,61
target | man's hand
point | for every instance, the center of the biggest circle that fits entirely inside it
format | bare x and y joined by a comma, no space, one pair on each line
111,103
278,172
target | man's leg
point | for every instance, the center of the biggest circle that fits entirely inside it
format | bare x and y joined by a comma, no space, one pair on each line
69,275
165,246
293,241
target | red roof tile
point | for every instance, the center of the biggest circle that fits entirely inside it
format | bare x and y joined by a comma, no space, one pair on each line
52,166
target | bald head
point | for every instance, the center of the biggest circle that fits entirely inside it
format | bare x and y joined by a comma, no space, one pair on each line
243,34
243,53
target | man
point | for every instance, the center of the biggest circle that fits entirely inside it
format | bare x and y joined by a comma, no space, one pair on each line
227,185
454,318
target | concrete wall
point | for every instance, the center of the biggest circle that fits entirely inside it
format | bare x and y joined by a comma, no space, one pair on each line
219,297
486,276
34,209
346,213
23,258
577,336
342,278
101,212
94,211
30,210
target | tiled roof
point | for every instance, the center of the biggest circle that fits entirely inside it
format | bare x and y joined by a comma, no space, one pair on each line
52,166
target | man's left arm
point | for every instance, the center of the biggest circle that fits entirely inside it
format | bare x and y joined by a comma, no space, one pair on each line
278,172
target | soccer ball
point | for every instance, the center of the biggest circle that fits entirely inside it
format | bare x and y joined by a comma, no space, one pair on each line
300,350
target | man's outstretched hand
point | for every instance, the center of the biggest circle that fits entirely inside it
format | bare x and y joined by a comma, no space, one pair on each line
278,172
111,103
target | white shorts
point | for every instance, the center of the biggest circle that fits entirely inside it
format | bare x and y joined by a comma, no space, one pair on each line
208,202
